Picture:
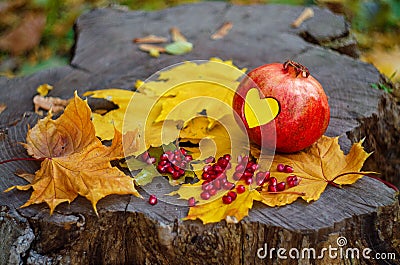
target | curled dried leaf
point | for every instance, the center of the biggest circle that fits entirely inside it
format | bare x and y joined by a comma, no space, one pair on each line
2,107
222,31
49,103
177,35
150,47
306,14
150,39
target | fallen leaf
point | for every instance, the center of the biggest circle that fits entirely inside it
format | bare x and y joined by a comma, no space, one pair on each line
150,39
2,107
135,111
152,48
216,210
44,89
75,162
222,31
25,175
307,13
179,47
321,164
176,35
146,174
49,103
25,36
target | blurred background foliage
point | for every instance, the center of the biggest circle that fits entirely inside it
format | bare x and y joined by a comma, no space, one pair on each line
38,34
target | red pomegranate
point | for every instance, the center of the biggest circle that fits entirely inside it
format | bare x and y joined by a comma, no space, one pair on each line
303,115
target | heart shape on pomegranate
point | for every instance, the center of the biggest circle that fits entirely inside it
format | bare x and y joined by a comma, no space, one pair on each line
259,111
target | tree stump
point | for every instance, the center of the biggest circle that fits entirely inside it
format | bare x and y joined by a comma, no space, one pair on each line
130,231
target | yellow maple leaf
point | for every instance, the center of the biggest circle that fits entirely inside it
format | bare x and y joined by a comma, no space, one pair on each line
75,162
319,165
44,89
105,124
216,210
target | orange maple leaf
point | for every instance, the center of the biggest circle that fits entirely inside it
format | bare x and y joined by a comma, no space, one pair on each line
75,162
322,164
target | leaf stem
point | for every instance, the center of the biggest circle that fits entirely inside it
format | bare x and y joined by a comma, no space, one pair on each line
287,192
387,183
21,159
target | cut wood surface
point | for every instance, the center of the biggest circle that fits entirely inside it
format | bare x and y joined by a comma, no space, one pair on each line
129,230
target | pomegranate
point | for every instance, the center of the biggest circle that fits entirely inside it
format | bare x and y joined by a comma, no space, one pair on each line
303,114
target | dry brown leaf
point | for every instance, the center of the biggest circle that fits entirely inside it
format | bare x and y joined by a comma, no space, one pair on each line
176,35
26,36
49,103
2,107
150,39
150,48
75,162
307,13
222,31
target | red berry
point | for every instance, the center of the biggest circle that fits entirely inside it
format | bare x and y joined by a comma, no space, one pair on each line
232,194
170,170
205,195
213,191
188,158
240,189
163,162
227,199
280,167
206,186
288,169
273,181
161,169
217,184
237,176
247,174
281,186
191,201
227,157
153,200
183,151
239,168
248,181
164,157
272,188
205,175
291,183
176,175
260,178
228,185
218,168
222,162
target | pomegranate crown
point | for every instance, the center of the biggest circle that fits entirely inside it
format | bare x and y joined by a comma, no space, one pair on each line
298,68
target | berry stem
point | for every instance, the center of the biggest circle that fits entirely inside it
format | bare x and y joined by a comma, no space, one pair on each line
21,159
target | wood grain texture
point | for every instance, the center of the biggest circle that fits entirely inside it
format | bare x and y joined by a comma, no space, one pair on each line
129,230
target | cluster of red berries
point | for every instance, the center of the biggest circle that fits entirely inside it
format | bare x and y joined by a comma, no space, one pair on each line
214,176
174,162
